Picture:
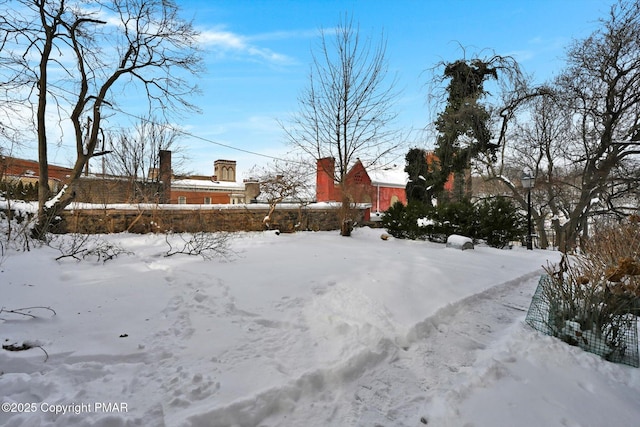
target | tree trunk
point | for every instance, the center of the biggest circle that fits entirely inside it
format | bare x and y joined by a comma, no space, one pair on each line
568,236
43,164
543,239
345,216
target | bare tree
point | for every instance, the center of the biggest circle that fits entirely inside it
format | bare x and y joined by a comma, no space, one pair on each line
541,142
583,139
134,154
74,58
601,86
346,110
283,181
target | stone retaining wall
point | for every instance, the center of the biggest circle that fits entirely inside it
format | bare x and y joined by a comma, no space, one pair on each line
205,218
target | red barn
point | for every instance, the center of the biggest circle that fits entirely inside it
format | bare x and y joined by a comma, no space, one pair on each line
379,188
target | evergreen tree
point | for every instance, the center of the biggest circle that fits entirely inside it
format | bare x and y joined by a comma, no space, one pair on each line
417,188
463,125
500,221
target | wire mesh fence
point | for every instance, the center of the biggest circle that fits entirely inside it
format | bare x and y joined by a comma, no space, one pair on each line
584,321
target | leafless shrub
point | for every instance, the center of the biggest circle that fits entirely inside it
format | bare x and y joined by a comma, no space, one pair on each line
207,245
15,231
82,246
594,296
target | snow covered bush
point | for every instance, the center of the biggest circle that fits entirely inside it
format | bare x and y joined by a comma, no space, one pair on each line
16,223
19,190
592,299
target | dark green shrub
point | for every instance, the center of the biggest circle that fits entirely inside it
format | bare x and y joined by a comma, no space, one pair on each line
403,221
500,221
455,218
393,220
496,220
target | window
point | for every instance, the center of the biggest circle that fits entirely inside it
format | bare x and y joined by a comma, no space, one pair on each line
182,200
207,200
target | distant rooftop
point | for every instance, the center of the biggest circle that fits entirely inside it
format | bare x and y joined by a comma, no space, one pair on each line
394,176
201,183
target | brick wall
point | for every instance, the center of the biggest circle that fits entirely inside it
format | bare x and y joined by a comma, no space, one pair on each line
198,197
105,190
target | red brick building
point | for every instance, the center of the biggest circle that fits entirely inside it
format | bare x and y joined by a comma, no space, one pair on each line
27,171
220,188
379,188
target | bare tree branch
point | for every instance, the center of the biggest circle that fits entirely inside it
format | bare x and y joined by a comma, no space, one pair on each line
346,110
101,50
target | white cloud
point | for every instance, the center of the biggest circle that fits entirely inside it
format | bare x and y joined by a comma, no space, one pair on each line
282,35
223,42
223,39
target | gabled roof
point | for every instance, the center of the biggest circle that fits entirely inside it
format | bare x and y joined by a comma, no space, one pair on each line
393,176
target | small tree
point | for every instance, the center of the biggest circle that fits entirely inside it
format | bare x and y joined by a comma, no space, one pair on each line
135,154
280,181
345,112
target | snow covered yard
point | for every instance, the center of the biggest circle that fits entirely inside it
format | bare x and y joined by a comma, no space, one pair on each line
305,329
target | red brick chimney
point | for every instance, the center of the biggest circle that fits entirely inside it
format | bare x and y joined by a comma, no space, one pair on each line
325,184
165,176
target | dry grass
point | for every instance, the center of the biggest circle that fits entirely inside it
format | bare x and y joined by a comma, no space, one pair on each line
594,296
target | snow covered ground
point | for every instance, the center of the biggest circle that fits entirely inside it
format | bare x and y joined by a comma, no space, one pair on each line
305,329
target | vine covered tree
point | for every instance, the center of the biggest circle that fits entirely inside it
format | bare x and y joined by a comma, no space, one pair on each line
469,129
462,126
346,110
417,169
69,60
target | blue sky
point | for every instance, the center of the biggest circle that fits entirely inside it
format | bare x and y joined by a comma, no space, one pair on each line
257,56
